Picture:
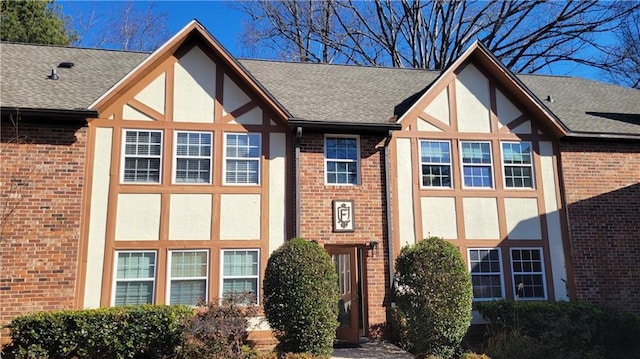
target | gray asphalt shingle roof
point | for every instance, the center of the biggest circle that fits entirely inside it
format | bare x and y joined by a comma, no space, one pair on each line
24,70
313,92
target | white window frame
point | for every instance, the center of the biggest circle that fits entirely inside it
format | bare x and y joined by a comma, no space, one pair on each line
124,156
170,278
116,280
256,277
542,273
176,157
435,164
225,158
501,273
463,165
504,165
326,160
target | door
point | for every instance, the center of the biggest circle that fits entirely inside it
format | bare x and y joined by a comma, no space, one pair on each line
345,261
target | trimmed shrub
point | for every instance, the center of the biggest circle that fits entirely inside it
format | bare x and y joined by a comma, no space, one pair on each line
301,296
528,329
144,331
219,330
433,293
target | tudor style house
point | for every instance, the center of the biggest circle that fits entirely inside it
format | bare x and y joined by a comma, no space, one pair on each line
170,177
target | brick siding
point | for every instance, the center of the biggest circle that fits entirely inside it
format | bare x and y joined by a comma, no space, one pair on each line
43,174
602,193
369,212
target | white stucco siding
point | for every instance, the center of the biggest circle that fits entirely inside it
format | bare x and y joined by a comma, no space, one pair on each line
277,190
253,117
153,95
138,217
439,217
406,217
473,101
523,220
426,126
190,217
481,218
439,108
556,247
240,216
234,97
130,113
194,88
98,218
507,111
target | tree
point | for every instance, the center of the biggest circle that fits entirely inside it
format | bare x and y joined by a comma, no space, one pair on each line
34,21
123,26
624,57
301,297
527,36
434,296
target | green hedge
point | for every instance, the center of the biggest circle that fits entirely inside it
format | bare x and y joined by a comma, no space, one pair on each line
144,331
434,296
527,329
301,296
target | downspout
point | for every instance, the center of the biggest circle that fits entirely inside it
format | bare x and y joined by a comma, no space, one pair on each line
388,207
297,170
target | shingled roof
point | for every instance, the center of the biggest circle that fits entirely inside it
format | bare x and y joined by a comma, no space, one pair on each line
309,92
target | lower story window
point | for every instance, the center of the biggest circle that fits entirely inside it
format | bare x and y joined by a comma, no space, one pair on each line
486,273
240,270
134,278
527,267
188,279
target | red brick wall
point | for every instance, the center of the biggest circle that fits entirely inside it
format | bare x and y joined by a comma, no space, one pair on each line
39,245
602,191
369,206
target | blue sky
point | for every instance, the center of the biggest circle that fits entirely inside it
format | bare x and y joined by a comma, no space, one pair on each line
226,24
219,17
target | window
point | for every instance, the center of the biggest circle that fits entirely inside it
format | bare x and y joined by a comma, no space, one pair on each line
142,156
435,159
188,277
341,160
517,163
134,278
240,272
528,273
486,273
193,157
242,158
477,164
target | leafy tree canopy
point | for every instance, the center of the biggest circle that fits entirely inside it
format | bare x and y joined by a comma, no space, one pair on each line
33,21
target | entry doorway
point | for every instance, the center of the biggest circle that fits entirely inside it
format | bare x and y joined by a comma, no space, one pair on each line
350,265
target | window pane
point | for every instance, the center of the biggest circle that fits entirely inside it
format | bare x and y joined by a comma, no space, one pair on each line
242,158
341,160
240,272
188,292
486,273
134,277
435,157
528,273
188,275
142,156
132,293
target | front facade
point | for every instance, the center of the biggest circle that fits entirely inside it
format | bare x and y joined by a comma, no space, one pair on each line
173,180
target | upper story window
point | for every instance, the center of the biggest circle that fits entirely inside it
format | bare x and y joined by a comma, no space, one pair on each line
341,160
517,164
527,267
188,277
142,156
242,158
192,157
435,160
240,270
486,273
477,164
135,275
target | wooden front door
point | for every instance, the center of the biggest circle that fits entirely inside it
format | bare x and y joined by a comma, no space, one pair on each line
345,261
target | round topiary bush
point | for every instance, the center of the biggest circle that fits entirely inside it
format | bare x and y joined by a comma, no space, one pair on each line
300,298
434,296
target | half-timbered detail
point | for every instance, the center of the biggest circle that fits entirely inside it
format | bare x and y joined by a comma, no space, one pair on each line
472,166
186,186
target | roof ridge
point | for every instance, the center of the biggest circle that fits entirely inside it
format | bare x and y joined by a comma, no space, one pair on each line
337,65
73,47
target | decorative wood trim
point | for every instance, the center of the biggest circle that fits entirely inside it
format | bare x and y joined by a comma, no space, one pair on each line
434,122
515,123
146,109
416,172
239,112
